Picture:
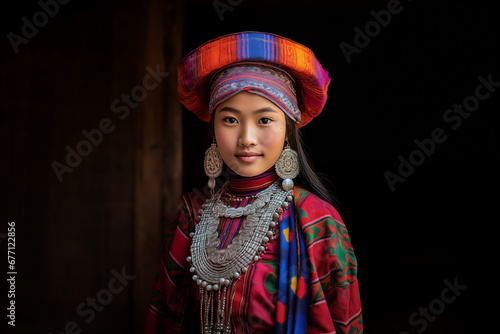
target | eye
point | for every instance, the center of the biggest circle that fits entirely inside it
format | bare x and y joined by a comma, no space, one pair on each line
265,120
230,120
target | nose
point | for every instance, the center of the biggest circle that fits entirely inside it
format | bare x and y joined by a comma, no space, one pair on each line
247,136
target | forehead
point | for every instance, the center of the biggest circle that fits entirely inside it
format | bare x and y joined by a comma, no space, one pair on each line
248,103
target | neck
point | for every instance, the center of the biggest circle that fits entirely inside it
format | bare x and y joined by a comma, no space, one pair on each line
244,186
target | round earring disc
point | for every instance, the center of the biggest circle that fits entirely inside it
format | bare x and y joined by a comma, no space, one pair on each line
287,166
213,162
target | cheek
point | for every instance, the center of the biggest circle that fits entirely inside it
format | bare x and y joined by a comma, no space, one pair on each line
225,142
274,140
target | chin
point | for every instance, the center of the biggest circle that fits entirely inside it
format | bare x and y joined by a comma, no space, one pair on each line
248,171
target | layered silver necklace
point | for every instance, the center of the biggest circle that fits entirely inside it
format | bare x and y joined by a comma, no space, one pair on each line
216,271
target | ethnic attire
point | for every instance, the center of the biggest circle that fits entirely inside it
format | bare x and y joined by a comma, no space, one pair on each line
259,255
270,297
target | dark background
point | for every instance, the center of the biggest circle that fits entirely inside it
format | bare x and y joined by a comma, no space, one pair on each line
433,227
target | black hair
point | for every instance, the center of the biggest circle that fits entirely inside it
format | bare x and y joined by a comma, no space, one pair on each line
308,178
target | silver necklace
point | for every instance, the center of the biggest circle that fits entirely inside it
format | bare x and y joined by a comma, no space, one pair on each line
217,270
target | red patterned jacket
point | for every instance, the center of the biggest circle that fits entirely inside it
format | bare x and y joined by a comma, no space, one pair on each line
335,305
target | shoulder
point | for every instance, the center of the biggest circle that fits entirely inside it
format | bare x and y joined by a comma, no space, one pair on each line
321,223
193,200
310,207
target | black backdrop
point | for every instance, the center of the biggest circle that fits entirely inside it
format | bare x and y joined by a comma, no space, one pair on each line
433,227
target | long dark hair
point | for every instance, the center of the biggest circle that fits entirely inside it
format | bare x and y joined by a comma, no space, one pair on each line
308,178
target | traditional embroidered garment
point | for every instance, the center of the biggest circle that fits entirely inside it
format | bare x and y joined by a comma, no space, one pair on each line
198,67
305,282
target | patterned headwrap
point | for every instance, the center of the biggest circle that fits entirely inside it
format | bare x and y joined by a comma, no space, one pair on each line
198,68
271,83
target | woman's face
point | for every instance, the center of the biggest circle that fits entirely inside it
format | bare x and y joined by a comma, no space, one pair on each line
250,132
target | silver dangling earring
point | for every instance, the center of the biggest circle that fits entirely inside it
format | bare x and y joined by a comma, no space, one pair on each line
287,167
213,165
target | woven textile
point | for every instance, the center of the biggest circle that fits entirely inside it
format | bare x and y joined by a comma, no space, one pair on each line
294,278
198,67
272,84
334,302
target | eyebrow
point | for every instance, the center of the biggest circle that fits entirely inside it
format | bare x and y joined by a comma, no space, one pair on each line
258,111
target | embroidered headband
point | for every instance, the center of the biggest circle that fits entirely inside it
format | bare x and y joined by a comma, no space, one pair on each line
271,83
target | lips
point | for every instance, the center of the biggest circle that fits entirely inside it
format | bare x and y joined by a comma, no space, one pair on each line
248,156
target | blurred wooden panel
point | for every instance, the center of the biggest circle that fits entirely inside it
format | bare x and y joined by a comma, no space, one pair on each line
159,149
106,215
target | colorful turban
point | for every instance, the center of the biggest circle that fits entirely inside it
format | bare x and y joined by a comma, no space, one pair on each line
273,84
196,72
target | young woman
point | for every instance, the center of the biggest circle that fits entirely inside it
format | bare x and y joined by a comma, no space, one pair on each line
263,250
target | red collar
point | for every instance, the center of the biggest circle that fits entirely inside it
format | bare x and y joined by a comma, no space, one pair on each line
244,186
